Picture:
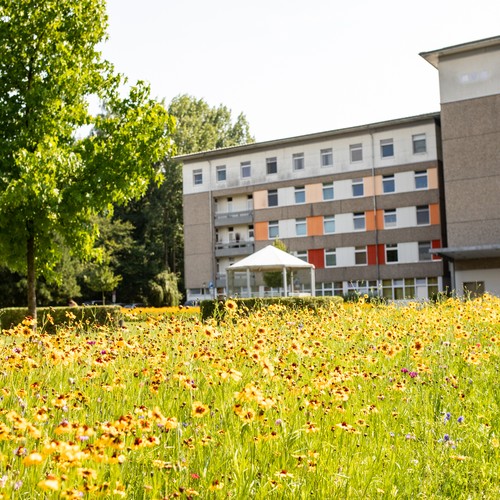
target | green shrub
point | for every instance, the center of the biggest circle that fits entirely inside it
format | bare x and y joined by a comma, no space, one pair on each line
49,318
217,308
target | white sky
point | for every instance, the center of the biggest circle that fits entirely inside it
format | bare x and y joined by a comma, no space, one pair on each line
295,67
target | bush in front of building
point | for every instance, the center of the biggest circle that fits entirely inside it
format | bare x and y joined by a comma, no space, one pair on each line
50,318
218,308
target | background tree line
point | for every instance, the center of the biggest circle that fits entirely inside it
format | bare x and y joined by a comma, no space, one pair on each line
142,245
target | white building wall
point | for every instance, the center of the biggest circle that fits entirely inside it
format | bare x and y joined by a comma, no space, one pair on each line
491,278
403,154
345,257
469,77
407,252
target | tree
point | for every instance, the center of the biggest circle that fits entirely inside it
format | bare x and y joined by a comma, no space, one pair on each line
163,290
114,238
157,217
52,184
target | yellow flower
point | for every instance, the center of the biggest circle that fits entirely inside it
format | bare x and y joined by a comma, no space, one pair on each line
33,459
51,483
231,305
216,485
199,409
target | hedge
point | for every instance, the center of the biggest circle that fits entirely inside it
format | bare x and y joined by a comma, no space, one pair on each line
217,308
49,318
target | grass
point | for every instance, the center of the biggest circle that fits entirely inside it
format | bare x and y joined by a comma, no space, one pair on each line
354,401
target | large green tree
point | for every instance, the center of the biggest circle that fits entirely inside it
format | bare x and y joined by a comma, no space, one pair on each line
157,217
52,183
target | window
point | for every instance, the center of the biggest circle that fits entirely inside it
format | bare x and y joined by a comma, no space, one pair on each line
250,201
391,252
198,177
221,173
424,250
358,220
356,151
298,161
271,166
229,204
330,258
273,229
388,184
360,256
474,289
272,198
390,218
328,193
326,157
300,227
302,255
423,215
357,187
246,170
421,179
250,232
419,144
329,224
300,194
387,148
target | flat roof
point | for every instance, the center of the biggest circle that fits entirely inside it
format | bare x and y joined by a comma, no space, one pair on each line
468,252
318,136
433,56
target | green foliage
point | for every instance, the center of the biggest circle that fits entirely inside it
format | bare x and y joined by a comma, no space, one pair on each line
218,309
157,217
52,184
201,127
51,318
163,290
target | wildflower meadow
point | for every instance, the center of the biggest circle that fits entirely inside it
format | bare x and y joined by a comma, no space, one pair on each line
353,401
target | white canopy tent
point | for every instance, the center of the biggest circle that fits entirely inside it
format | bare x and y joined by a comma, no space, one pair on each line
271,258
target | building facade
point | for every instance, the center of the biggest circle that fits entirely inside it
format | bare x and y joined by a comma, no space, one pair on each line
403,208
469,78
361,204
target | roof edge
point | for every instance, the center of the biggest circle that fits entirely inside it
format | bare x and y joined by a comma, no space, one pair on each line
306,137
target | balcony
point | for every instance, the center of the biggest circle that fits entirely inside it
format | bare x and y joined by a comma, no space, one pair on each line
233,218
234,248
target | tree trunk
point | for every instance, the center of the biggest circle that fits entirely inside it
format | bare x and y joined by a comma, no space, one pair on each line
31,273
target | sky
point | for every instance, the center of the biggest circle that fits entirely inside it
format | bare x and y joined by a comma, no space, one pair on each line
294,67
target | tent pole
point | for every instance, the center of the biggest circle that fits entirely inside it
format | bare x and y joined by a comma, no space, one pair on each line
285,284
249,288
313,282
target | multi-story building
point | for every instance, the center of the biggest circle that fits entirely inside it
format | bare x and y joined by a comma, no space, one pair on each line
361,204
375,207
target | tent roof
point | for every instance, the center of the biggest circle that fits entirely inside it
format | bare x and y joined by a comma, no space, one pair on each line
270,258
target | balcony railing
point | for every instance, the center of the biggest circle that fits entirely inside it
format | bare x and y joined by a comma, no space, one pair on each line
233,218
234,248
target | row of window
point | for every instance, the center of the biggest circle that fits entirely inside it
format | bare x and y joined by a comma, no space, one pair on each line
357,188
358,222
419,145
391,289
391,255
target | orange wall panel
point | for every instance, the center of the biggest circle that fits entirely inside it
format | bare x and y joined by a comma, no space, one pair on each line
260,231
314,193
315,226
371,222
432,178
259,199
434,213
